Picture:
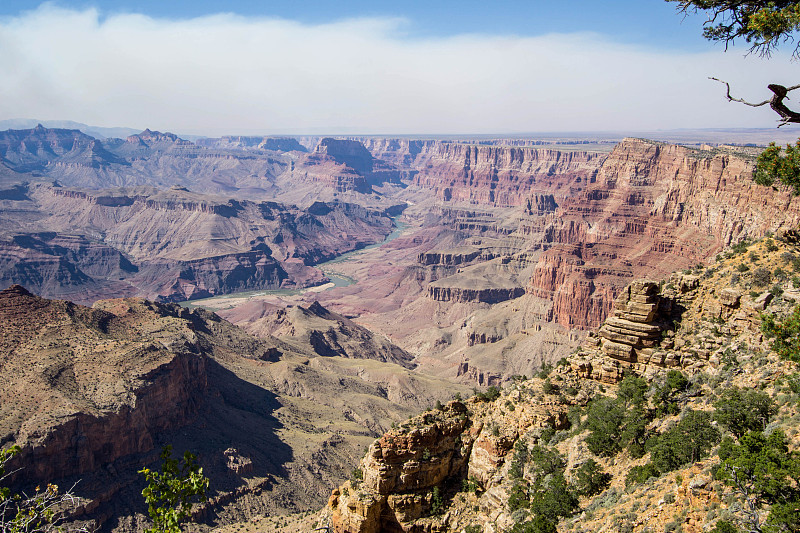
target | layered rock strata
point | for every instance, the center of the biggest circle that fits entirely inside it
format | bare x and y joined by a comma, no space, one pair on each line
171,244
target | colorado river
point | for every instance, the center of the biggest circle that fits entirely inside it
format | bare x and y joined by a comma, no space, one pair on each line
337,279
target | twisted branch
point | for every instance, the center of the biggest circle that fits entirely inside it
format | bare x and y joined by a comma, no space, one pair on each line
776,102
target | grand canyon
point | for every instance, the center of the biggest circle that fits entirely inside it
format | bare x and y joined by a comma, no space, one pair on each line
276,304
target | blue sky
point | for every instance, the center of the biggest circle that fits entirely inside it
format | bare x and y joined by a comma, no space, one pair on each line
410,67
650,22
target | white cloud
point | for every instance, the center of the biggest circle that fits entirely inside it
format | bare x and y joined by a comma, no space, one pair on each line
229,74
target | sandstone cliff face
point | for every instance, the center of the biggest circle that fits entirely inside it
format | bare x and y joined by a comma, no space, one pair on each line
345,166
504,176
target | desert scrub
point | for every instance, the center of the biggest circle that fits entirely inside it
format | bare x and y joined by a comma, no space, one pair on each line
785,334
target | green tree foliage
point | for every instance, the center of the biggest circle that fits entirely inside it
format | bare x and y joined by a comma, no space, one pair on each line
668,394
779,166
42,512
763,24
744,410
538,524
723,526
762,471
554,499
688,441
618,423
604,419
640,474
632,390
590,478
541,488
785,334
169,493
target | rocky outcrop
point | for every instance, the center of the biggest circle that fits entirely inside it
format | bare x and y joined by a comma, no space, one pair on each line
686,325
327,333
85,422
627,340
412,469
489,295
400,470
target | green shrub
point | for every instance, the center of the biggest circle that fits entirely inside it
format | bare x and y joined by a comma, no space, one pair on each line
640,474
741,246
753,257
545,371
548,387
741,267
518,497
491,394
169,493
437,502
793,382
785,334
470,485
619,423
690,440
554,500
545,461
632,390
666,396
761,277
590,478
723,526
763,471
537,524
771,246
742,410
604,419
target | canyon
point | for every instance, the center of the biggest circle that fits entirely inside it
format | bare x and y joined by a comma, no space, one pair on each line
510,256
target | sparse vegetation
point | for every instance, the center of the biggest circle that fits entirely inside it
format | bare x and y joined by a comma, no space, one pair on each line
42,512
491,394
785,334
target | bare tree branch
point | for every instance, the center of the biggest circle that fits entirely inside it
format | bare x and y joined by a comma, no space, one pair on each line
780,93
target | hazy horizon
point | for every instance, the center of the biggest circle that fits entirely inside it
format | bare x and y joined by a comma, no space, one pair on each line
375,71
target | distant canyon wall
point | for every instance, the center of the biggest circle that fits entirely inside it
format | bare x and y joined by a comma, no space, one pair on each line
587,223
